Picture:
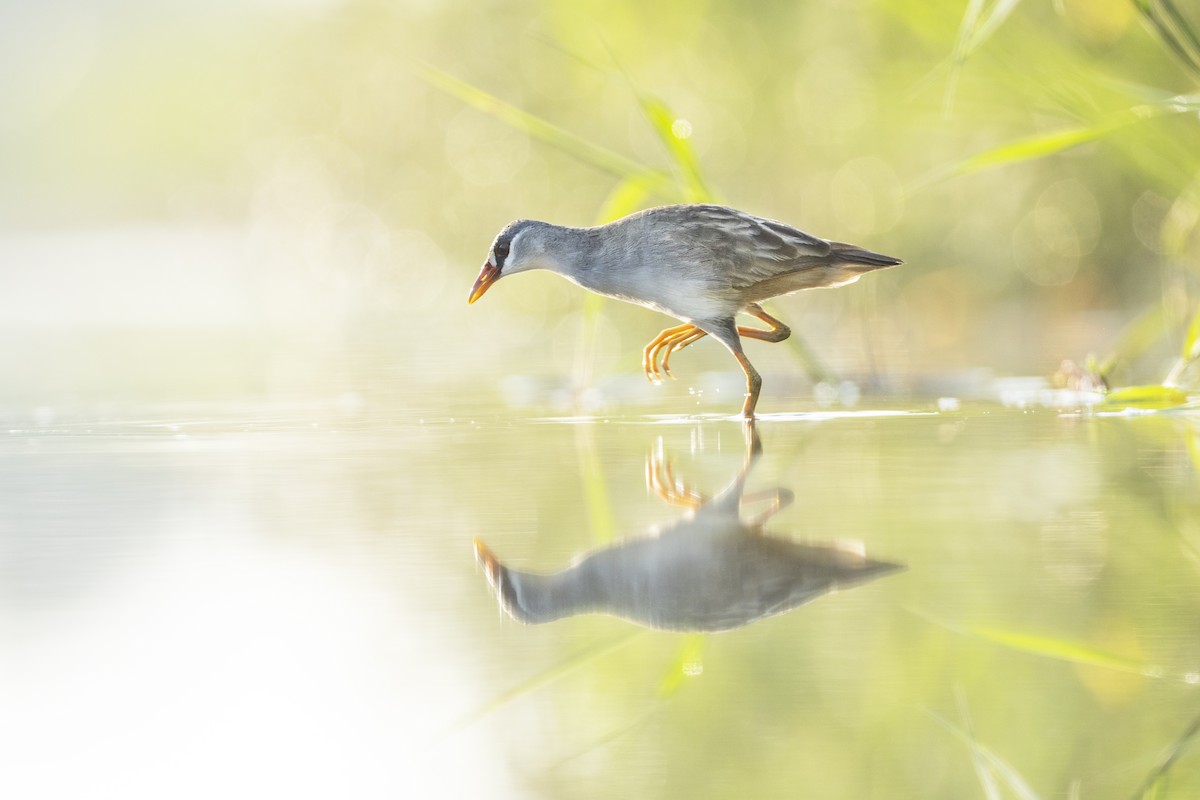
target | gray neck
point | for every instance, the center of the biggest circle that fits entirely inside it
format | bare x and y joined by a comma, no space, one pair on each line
545,598
571,252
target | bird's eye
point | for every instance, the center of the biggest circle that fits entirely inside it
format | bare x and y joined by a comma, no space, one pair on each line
502,250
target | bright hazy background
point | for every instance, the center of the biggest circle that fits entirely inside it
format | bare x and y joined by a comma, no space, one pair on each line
244,200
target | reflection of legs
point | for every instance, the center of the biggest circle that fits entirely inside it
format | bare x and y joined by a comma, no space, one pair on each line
660,478
778,500
753,443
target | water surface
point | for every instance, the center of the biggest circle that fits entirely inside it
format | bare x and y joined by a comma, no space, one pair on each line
263,602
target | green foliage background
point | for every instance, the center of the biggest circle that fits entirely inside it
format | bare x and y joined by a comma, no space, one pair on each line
1035,164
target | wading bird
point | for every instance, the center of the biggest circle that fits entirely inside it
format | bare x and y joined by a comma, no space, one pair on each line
699,263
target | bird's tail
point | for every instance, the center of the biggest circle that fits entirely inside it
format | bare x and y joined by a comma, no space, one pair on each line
852,254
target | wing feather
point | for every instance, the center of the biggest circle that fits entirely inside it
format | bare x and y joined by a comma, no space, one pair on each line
748,249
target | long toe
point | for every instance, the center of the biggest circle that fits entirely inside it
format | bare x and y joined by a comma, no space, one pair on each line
679,343
649,356
646,364
654,374
664,339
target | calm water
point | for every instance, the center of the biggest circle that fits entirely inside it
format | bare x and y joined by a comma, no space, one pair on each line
239,603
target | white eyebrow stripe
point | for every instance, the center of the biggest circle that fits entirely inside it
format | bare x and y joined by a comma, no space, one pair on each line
512,248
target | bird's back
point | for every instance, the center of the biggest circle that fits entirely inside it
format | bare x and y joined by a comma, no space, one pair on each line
727,253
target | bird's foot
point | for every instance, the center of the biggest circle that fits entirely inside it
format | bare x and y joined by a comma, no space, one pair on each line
678,344
667,342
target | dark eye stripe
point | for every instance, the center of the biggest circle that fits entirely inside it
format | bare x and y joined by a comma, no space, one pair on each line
501,250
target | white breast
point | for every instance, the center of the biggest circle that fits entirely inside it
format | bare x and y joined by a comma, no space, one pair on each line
682,299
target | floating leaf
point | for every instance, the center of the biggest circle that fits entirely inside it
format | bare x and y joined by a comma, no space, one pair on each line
1150,397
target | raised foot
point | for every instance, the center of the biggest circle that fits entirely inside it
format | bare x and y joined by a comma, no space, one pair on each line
667,342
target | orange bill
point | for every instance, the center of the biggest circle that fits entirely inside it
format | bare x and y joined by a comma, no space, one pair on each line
487,276
491,564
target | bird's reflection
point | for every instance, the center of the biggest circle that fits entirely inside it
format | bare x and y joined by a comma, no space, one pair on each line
712,570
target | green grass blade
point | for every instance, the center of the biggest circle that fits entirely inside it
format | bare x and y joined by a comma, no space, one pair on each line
987,763
1153,397
587,152
1188,37
555,673
1013,778
637,721
678,148
627,197
663,123
1173,31
1063,650
1031,147
969,20
684,665
1150,788
1183,221
1191,342
966,28
973,31
1000,12
984,772
1010,153
1050,647
1136,338
1045,144
595,486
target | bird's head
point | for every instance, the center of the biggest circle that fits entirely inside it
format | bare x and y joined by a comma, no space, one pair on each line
519,247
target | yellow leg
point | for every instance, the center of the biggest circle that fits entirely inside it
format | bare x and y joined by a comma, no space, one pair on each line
753,385
777,333
677,341
681,336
